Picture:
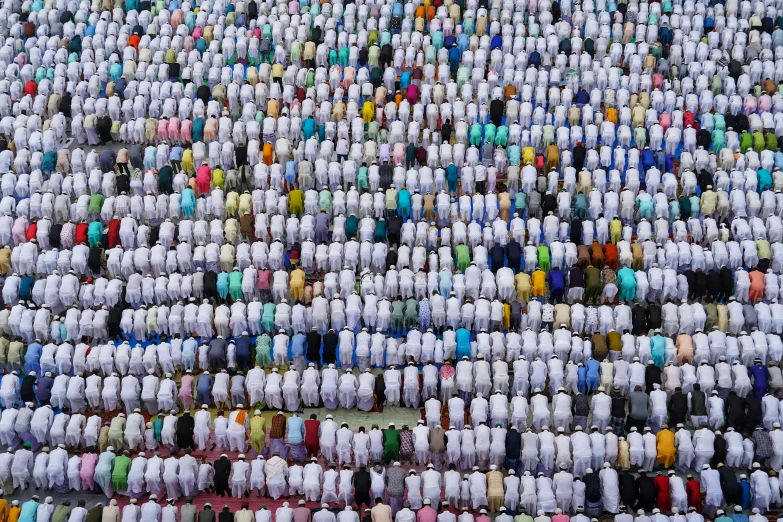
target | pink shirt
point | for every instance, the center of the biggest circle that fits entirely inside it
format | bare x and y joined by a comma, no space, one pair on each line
765,103
263,279
426,514
560,518
87,471
186,387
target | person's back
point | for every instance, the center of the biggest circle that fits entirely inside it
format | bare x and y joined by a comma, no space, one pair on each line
206,515
638,401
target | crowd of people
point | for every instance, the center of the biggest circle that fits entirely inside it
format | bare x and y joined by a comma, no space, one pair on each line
554,227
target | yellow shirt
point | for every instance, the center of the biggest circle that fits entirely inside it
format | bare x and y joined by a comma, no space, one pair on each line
615,228
523,282
218,178
539,278
297,278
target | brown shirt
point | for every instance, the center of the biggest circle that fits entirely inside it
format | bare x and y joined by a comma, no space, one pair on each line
600,350
582,256
436,438
597,254
278,427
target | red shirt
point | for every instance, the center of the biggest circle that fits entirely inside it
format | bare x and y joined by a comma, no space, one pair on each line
693,488
114,233
311,431
81,233
663,500
610,255
31,88
31,232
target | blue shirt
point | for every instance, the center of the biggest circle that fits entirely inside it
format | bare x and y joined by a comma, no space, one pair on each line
204,383
593,368
745,485
295,427
243,345
189,347
463,343
463,41
176,153
32,358
648,159
297,345
29,511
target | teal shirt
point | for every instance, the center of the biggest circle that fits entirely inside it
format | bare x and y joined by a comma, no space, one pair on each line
94,233
157,426
452,173
403,199
235,280
626,278
269,311
658,348
222,284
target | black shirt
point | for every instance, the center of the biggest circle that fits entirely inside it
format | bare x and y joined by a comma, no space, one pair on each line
313,340
496,110
654,316
728,483
678,408
652,375
721,450
645,492
513,444
618,405
627,489
639,320
330,347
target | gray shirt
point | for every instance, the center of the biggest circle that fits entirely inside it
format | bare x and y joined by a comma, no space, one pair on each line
187,513
395,481
23,420
638,401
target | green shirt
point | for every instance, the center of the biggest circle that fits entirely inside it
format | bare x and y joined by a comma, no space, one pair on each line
351,226
391,444
362,178
398,308
61,513
96,203
325,201
762,249
380,231
235,279
411,308
592,277
119,472
463,256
